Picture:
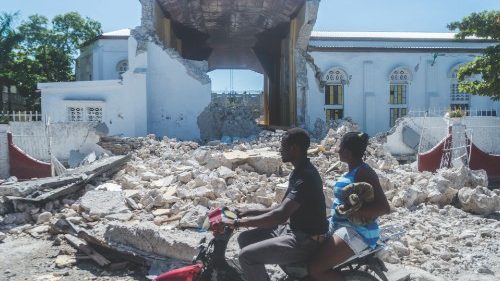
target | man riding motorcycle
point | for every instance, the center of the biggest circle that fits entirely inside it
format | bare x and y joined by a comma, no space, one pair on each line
272,241
345,238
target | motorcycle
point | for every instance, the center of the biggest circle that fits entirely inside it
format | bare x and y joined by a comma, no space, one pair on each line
211,265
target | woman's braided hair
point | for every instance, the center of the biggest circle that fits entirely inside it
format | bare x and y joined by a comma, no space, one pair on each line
356,143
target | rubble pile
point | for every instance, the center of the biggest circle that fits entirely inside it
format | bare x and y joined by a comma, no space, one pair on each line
165,190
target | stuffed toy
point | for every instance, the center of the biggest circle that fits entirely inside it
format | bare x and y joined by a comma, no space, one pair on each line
354,196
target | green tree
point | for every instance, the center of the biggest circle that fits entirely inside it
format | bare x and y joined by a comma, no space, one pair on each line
47,51
9,39
485,24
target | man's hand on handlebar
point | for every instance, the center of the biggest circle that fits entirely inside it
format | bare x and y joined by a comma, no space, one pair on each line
230,223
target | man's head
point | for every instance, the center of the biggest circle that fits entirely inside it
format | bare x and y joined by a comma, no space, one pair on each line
294,144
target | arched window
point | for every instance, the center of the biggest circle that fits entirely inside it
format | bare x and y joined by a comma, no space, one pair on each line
335,79
122,67
458,100
400,79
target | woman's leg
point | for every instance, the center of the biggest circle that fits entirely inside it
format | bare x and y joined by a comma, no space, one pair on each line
331,253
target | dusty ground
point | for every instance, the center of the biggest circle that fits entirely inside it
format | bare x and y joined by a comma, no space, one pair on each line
27,258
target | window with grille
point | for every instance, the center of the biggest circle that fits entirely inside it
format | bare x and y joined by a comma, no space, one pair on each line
94,114
334,94
396,113
83,113
457,96
334,114
397,94
75,114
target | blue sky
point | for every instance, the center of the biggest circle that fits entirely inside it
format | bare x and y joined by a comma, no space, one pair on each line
334,15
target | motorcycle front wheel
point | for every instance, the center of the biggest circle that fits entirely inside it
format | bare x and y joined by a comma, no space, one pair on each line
356,275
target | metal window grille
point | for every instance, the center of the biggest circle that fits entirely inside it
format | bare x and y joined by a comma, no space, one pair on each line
395,113
397,94
334,94
458,97
334,114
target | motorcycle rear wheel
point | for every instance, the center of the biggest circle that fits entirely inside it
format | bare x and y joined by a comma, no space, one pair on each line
356,275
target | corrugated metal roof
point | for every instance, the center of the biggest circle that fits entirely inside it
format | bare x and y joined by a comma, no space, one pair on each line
395,40
388,35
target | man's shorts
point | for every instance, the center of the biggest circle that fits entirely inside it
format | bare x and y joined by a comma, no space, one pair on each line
350,237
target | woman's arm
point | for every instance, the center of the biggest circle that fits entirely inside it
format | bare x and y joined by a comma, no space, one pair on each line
380,205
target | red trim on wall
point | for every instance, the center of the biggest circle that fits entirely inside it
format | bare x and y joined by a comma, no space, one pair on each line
24,166
431,160
480,160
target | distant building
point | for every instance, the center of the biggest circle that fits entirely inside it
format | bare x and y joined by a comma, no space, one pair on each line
377,77
154,79
105,58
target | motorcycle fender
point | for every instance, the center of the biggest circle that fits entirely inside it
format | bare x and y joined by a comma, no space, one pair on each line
187,273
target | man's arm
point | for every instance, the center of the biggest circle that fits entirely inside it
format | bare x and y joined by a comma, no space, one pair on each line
255,212
276,216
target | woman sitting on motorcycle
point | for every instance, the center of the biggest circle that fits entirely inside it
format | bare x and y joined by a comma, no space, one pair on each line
349,238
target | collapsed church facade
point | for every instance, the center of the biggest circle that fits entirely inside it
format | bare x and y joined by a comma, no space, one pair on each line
309,77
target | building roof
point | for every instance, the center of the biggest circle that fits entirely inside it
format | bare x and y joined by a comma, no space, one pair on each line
117,34
403,41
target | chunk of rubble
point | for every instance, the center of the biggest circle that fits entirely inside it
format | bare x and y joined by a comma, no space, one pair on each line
194,217
479,200
103,203
149,238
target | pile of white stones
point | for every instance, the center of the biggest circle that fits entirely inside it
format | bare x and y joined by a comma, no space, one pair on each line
172,184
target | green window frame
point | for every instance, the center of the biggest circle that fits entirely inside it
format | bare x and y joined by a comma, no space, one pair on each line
334,114
397,93
395,113
334,94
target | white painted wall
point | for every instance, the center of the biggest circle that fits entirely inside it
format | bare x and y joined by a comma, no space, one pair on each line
4,152
174,97
32,138
123,108
366,98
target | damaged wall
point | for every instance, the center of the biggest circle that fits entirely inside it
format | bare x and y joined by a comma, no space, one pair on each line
175,97
65,137
234,120
483,130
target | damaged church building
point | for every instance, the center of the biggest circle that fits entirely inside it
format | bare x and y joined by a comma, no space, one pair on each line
153,79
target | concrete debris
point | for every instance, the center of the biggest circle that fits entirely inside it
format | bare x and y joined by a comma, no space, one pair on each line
154,202
44,218
103,203
65,261
2,236
479,200
149,238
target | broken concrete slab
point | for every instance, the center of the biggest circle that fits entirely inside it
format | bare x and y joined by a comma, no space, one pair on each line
103,203
263,160
40,190
149,238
